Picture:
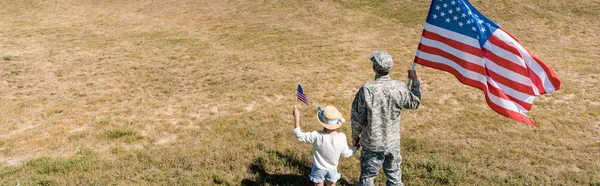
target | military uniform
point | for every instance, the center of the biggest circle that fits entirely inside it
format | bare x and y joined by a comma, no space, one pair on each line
375,118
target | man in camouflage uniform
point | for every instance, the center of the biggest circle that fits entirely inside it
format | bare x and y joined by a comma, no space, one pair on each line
376,120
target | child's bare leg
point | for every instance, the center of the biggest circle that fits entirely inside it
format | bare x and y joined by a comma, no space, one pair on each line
319,184
328,183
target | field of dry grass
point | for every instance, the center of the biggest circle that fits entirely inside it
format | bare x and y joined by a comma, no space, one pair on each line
183,92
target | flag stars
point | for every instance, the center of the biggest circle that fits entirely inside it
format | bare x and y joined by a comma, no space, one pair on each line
452,13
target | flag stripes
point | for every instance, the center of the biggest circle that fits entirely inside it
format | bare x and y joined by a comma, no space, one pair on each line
302,98
545,78
300,95
509,75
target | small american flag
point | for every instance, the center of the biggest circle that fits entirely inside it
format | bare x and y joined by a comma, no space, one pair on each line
478,52
301,95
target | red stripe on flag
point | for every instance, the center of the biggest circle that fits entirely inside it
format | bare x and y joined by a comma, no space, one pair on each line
465,64
556,83
511,36
500,110
500,93
510,83
498,42
537,81
451,70
454,44
302,98
475,68
509,113
505,63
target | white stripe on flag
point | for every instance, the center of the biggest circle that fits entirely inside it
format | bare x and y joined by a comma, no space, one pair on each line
500,52
516,94
512,92
467,73
476,60
529,61
501,102
507,73
452,35
506,104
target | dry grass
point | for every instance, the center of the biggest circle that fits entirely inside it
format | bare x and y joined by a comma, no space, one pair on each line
182,92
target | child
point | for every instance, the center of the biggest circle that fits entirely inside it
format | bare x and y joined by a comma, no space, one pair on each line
328,144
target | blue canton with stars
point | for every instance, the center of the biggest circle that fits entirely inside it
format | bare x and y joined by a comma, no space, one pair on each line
460,16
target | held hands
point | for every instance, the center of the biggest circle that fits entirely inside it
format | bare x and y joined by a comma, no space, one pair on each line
355,145
355,142
412,75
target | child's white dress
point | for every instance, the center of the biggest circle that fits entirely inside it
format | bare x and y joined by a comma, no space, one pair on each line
327,150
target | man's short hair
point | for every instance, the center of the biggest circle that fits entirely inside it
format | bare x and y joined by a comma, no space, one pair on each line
380,72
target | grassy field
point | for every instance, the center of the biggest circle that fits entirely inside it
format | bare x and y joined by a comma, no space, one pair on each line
183,92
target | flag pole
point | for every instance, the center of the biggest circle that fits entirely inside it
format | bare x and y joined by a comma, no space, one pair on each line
408,83
296,102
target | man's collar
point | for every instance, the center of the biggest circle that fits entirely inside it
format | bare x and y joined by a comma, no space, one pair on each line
379,77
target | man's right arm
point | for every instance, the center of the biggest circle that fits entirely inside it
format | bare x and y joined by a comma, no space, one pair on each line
414,96
359,114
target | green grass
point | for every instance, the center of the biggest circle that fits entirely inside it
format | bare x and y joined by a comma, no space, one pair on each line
117,133
44,167
200,93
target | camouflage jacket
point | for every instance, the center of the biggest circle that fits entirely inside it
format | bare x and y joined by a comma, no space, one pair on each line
376,112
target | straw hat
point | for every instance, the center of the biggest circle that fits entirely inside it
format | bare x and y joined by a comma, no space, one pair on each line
330,117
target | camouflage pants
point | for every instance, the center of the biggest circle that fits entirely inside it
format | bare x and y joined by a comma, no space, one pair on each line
370,162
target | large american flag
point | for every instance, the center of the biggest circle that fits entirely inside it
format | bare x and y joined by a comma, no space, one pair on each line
460,40
301,95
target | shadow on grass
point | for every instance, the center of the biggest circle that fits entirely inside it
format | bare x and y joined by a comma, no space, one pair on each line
262,177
